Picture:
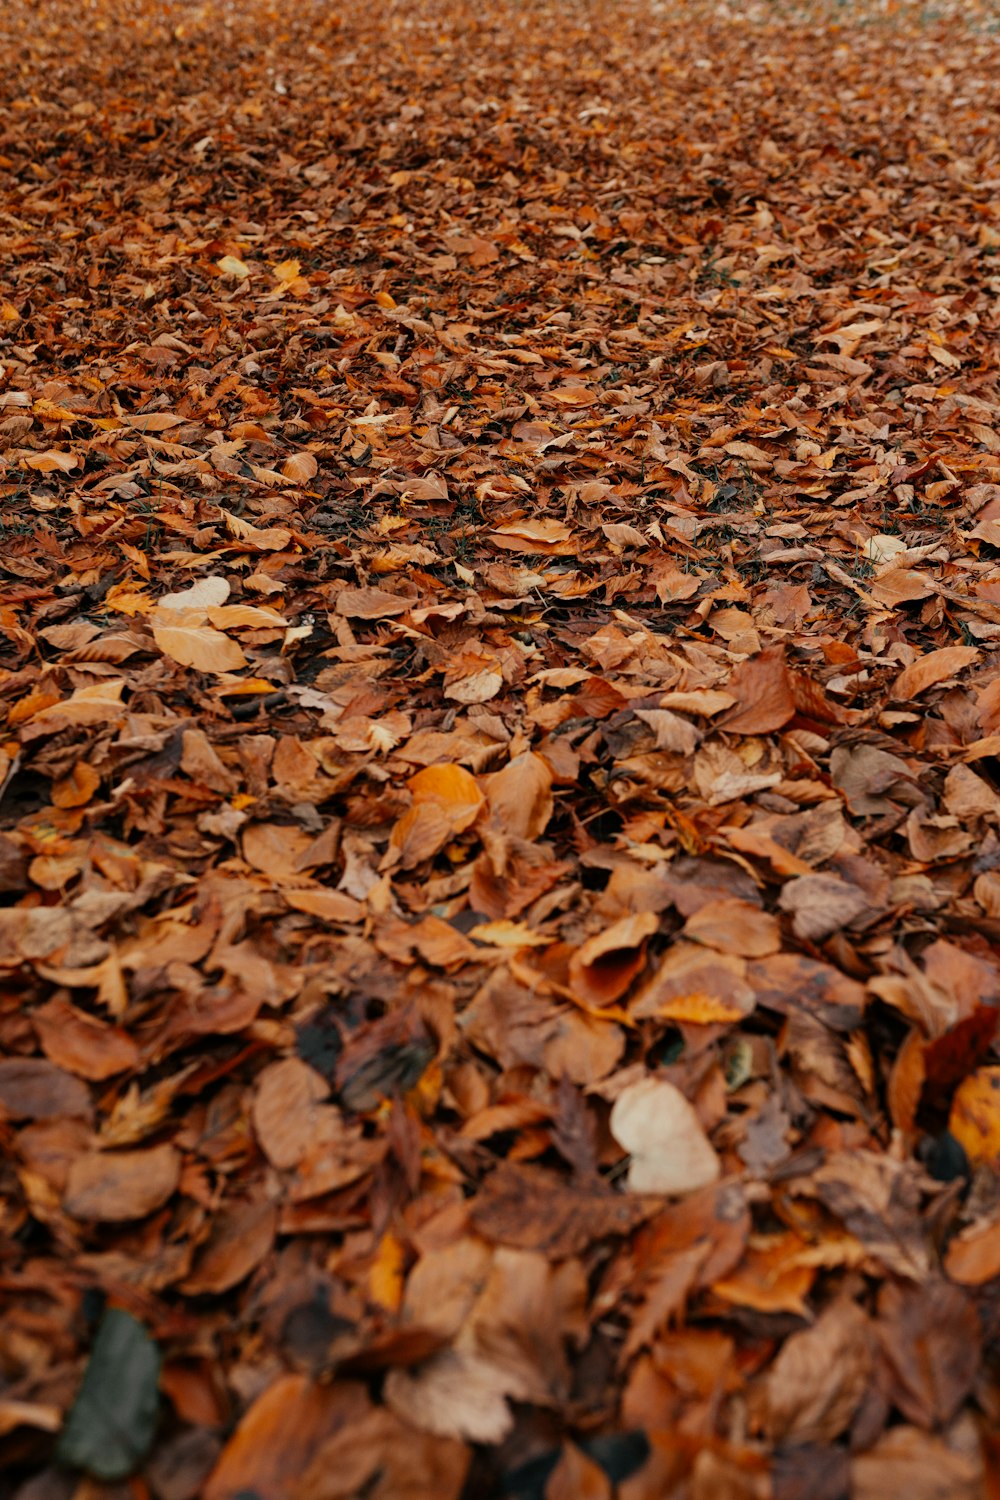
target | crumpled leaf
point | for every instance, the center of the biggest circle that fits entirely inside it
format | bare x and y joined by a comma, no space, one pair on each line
604,966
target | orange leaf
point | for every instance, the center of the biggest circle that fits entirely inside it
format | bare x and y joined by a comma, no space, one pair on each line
975,1116
520,796
76,789
604,967
151,421
765,699
300,467
257,538
451,788
770,1278
50,460
385,1279
281,1434
927,671
973,1257
199,647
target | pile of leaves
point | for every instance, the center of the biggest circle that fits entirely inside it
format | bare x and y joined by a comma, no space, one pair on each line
500,745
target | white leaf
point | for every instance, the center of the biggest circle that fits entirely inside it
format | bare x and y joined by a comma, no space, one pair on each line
670,1152
206,594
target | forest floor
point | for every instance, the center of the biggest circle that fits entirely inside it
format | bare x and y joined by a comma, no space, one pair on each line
500,703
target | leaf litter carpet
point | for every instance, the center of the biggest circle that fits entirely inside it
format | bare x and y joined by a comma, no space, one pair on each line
500,748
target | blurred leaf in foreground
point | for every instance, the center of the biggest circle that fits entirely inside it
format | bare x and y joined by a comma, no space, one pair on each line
111,1426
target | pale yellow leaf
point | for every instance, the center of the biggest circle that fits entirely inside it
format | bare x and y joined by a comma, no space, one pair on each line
257,538
200,647
229,265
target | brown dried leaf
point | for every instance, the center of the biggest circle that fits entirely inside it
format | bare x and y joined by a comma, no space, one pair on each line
532,1208
241,1238
765,699
817,1382
520,796
287,1109
931,1340
604,966
281,1434
111,1186
32,1089
81,1043
927,671
200,647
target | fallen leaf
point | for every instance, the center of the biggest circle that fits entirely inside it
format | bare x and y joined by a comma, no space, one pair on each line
383,1458
240,1240
286,1110
81,1043
764,698
370,604
200,647
520,796
205,594
931,1341
975,1116
819,1378
973,1257
660,1130
257,538
918,1464
230,265
604,966
534,1209
927,671
112,1423
821,904
52,460
33,1089
111,1186
732,926
577,1477
455,1395
300,467
281,1434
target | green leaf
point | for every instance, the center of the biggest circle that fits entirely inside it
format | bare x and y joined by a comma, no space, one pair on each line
111,1426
